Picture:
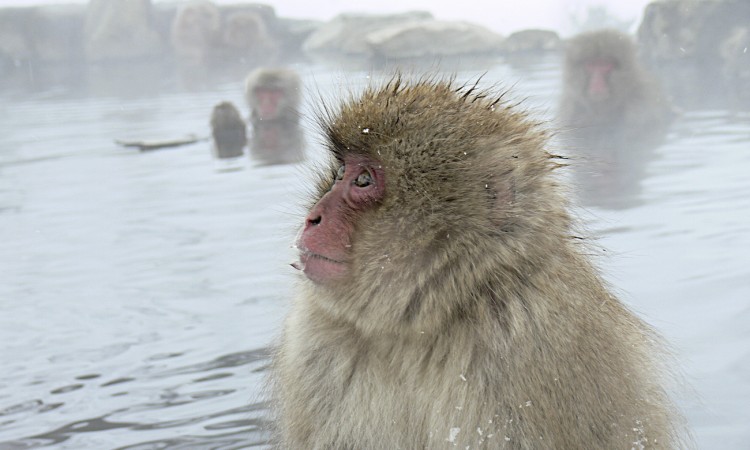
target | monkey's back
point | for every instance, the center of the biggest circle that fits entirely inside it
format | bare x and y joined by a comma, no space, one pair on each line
228,131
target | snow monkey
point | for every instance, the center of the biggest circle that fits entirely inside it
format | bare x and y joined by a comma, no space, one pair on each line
445,301
228,131
606,87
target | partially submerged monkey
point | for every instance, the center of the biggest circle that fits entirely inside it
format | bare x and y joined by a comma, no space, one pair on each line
228,131
446,302
606,89
273,95
613,114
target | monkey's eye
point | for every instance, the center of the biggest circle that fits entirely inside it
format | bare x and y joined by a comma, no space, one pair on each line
340,172
363,180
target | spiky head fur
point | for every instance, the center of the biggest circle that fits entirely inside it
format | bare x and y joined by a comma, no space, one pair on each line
473,198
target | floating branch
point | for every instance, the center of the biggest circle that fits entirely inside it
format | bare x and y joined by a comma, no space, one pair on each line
145,146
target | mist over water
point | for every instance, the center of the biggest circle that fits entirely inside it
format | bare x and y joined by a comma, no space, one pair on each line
140,291
561,15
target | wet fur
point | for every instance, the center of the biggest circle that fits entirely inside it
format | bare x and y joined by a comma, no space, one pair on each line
472,319
228,130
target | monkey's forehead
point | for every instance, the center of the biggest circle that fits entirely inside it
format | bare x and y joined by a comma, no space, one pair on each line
600,44
437,119
409,108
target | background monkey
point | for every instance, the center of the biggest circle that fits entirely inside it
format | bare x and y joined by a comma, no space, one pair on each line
614,116
273,96
446,302
606,88
228,130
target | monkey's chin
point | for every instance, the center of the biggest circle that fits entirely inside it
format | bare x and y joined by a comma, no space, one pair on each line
599,97
320,269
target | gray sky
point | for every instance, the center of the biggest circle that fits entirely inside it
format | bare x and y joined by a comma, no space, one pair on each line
504,16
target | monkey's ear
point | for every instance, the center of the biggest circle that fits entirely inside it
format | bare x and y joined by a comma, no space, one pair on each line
501,196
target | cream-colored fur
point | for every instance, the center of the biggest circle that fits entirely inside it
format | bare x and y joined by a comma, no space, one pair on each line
472,317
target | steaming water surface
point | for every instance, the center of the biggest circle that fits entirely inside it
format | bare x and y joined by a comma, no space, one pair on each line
140,292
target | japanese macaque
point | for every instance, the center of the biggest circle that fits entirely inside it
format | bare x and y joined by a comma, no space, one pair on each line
273,96
445,300
228,130
613,116
606,89
277,143
194,31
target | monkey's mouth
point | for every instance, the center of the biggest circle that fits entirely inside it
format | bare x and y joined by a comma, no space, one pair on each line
319,268
306,256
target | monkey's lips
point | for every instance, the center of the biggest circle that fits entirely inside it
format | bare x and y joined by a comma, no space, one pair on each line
320,269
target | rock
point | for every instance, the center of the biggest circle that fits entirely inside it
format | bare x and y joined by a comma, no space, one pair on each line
195,30
682,40
346,34
292,34
431,38
532,41
266,12
41,34
60,33
689,29
120,30
735,53
245,35
15,41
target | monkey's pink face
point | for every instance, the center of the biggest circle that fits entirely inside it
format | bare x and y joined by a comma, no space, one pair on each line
269,102
325,244
598,71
